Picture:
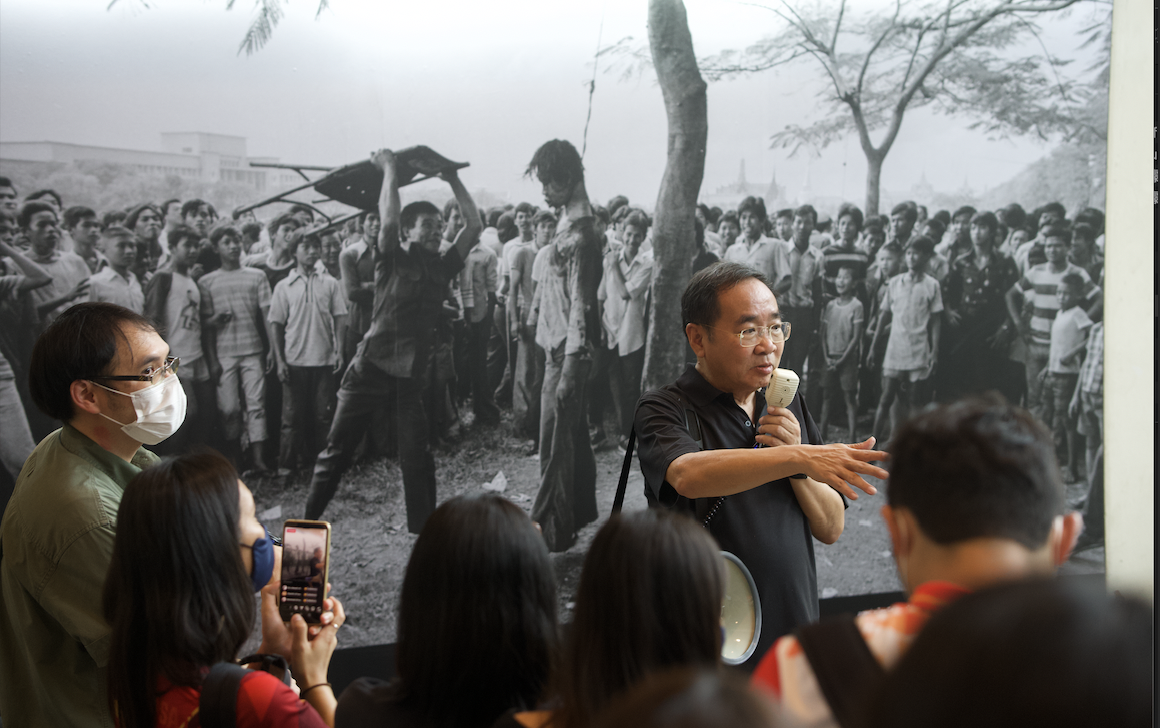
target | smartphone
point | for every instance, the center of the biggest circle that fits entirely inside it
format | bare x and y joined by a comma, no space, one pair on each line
305,569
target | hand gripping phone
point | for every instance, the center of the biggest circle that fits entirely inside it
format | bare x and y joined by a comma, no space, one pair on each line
782,387
305,569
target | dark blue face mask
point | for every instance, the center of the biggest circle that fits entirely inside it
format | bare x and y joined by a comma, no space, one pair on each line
263,550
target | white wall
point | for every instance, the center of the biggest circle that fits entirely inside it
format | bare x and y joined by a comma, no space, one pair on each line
1129,300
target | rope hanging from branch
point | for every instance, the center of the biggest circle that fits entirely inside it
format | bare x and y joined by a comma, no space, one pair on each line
592,83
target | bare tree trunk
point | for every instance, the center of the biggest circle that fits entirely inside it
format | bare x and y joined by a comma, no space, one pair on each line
673,226
873,181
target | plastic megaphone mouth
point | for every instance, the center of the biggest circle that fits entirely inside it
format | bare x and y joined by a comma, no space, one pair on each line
740,612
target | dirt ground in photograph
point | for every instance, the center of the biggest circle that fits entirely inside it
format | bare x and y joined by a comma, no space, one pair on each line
371,544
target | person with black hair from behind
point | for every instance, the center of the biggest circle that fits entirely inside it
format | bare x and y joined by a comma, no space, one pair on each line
1044,653
477,629
188,555
649,599
411,278
688,697
974,499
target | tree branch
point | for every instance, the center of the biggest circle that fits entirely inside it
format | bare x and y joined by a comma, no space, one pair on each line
837,27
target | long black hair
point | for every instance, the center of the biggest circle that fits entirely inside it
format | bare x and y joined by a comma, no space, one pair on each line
649,599
177,595
477,614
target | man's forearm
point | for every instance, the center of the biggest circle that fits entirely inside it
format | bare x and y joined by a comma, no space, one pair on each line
822,507
712,473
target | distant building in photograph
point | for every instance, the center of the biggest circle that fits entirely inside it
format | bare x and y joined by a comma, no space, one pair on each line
194,155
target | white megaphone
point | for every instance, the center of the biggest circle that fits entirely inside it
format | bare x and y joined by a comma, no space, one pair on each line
740,613
782,387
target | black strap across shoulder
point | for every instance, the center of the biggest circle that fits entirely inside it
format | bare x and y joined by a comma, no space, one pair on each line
692,423
847,672
218,702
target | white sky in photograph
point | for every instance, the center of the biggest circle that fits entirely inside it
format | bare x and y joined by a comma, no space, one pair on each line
479,82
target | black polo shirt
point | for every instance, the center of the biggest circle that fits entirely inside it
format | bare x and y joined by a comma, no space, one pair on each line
764,526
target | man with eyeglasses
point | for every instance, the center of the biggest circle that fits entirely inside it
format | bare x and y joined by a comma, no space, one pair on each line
710,447
105,373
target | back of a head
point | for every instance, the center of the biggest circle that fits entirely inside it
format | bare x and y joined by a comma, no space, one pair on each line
1042,652
649,598
977,468
477,614
691,698
177,596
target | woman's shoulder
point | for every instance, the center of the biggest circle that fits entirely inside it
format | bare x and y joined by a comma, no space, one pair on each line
264,700
369,701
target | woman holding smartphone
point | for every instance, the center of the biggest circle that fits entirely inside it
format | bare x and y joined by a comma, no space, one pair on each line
188,556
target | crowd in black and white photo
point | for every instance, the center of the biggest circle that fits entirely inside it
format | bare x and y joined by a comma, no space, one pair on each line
888,312
300,345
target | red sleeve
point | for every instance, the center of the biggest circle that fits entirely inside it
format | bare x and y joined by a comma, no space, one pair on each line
264,701
767,675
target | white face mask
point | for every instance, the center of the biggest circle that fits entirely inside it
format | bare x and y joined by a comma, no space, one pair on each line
160,410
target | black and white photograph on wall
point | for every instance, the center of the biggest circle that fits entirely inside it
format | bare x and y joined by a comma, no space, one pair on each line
409,251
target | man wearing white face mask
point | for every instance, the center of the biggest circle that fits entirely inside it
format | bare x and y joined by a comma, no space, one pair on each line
106,374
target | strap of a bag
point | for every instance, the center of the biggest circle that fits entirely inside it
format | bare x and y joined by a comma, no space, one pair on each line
847,672
218,703
692,424
622,486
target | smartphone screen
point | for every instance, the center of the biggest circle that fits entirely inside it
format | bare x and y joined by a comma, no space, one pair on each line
305,569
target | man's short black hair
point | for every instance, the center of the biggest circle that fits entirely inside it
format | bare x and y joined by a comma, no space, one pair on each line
921,244
1084,231
908,209
977,468
1089,215
299,207
412,212
165,205
179,233
31,208
192,206
1058,230
5,182
1073,280
964,211
75,214
252,230
785,213
544,216
989,221
754,206
79,344
701,301
525,207
556,160
935,226
281,220
302,237
131,218
729,216
849,208
807,210
40,194
638,219
219,232
1014,216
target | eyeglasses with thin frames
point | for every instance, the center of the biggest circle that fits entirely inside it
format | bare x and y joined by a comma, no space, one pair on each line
170,367
776,333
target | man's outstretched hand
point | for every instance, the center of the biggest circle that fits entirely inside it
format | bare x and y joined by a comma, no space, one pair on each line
841,466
